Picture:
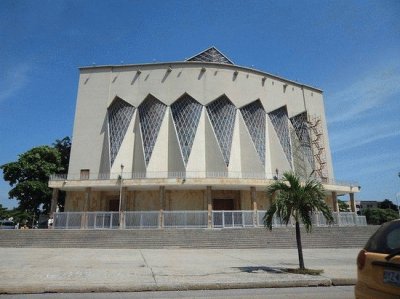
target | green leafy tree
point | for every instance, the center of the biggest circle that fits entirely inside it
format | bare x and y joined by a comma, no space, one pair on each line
29,177
377,216
4,212
299,200
387,204
343,206
64,148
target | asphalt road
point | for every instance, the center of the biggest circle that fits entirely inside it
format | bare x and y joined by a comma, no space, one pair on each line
342,292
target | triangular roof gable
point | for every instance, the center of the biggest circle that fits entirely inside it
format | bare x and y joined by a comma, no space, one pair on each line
212,54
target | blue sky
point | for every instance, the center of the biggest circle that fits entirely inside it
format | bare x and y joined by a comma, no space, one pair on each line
349,49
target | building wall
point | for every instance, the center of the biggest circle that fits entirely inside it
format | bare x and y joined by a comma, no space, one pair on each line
147,200
98,87
186,200
175,200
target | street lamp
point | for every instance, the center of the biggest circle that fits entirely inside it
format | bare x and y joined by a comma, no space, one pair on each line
397,198
120,192
397,202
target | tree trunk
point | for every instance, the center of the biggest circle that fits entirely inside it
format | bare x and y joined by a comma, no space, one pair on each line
299,246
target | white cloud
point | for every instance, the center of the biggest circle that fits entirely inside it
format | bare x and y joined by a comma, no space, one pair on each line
13,80
368,165
373,91
361,134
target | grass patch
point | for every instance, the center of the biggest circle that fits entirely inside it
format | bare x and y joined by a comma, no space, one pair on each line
315,272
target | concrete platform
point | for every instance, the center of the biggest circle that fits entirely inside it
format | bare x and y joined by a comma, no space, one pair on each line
39,270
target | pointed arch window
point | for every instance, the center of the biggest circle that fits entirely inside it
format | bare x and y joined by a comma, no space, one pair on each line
222,115
280,122
119,116
254,116
151,114
186,113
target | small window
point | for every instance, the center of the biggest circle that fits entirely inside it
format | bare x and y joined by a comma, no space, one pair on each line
85,174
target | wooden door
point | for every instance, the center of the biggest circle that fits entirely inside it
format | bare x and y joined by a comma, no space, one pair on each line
226,204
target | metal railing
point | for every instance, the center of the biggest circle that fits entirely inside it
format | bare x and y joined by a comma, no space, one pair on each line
187,219
182,175
68,220
142,219
231,219
102,220
318,219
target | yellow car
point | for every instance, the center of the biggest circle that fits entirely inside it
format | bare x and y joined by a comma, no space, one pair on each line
378,274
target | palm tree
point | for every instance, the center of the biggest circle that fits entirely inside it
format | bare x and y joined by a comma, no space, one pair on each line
298,200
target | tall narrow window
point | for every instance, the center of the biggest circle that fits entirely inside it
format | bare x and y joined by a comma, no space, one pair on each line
151,113
186,113
222,114
119,116
280,122
254,117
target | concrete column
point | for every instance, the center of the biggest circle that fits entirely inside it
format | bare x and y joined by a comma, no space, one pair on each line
162,205
54,201
253,196
352,203
85,208
209,206
122,208
335,204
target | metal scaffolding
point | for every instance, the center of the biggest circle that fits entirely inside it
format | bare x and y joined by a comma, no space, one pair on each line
307,138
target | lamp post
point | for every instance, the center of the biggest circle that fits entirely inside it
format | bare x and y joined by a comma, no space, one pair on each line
120,193
397,202
397,198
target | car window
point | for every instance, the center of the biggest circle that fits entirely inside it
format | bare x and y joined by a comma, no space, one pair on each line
385,239
393,239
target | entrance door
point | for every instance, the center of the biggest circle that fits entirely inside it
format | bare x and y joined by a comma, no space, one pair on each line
113,205
220,204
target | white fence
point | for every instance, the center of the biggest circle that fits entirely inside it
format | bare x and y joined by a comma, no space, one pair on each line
142,219
186,219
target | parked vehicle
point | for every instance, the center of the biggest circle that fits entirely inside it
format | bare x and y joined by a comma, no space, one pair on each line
378,274
7,224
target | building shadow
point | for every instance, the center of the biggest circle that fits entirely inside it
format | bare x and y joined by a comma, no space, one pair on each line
253,269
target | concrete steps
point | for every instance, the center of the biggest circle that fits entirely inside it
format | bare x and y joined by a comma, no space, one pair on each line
321,237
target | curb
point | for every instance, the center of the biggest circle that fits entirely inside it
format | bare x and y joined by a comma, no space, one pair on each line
39,289
343,281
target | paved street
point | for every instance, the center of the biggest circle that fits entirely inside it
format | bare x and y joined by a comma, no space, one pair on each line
38,270
342,292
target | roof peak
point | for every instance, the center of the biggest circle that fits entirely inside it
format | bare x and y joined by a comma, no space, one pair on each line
211,54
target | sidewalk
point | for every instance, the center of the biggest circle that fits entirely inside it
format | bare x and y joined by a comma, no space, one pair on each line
38,270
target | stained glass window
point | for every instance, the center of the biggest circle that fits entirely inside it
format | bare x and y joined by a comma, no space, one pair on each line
280,122
119,116
254,117
222,115
186,113
299,123
151,113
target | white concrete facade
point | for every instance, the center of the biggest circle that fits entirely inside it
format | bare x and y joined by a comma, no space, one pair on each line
135,86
